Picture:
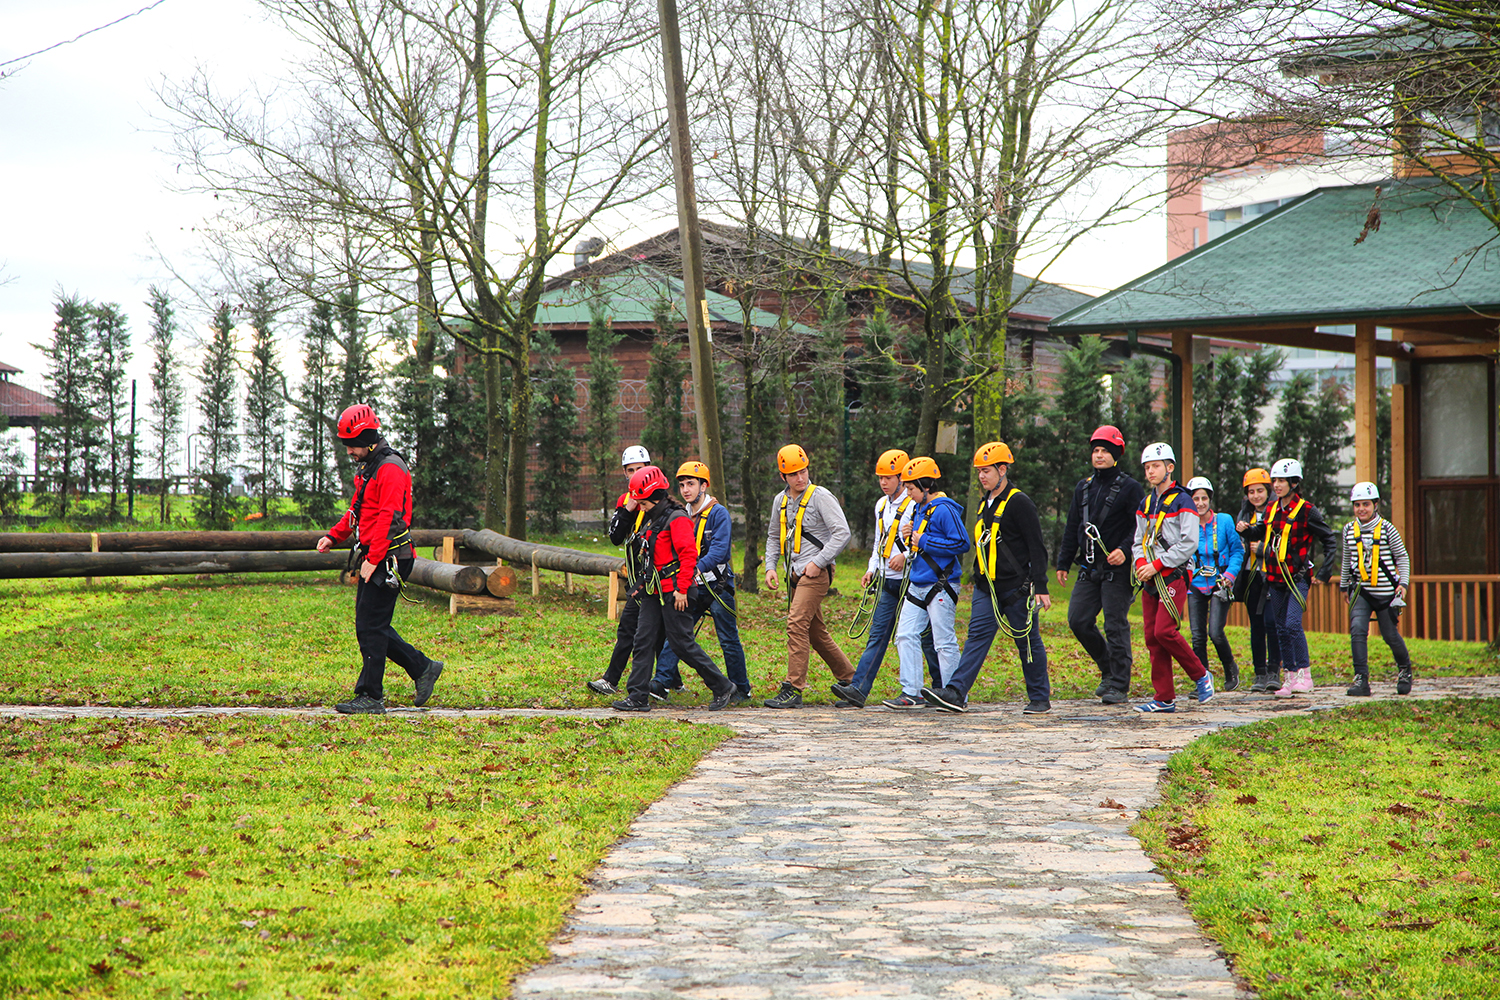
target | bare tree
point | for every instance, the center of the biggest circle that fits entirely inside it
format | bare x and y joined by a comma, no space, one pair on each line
419,132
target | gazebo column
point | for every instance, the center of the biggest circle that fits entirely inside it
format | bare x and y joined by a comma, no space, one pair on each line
1182,346
1364,401
1401,413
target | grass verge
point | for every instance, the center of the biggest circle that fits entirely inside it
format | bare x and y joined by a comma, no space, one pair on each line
1343,854
288,640
298,856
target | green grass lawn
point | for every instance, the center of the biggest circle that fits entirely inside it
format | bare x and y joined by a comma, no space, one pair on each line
1344,854
298,856
288,640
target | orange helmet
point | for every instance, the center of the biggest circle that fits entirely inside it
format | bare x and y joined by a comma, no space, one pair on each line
693,468
921,467
993,453
891,463
791,458
1256,476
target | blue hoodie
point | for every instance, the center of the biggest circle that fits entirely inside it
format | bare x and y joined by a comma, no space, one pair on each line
944,539
1220,550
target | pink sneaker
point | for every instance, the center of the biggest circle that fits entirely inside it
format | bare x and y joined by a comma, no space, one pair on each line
1303,682
1289,686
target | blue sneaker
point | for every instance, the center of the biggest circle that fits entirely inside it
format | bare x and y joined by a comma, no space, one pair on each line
1205,688
1155,705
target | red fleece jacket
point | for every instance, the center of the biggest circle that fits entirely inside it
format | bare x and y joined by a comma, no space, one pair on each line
389,491
676,543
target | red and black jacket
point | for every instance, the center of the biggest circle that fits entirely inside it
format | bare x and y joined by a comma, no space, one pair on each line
379,515
673,549
1288,541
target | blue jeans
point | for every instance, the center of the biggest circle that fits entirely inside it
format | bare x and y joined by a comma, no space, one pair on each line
726,625
982,631
882,630
938,618
1284,614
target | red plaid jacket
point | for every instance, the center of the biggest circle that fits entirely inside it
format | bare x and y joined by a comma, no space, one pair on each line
1298,530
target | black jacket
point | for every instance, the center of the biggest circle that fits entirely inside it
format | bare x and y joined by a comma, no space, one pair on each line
1118,529
1021,536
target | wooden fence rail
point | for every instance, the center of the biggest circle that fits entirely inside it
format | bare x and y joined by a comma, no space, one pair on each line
1462,608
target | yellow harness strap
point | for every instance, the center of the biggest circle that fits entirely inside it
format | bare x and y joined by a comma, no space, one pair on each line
1161,515
927,516
1359,551
702,518
797,533
1287,519
895,529
987,568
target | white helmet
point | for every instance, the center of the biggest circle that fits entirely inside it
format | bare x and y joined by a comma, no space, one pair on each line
1287,468
635,453
1364,491
1199,483
1158,452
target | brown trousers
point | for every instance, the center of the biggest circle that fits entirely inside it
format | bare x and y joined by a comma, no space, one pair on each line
805,628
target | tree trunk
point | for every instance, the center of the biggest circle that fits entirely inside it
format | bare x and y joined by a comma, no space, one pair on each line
520,434
49,565
451,577
519,554
188,541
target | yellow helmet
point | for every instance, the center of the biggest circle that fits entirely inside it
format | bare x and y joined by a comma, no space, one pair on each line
693,467
891,463
994,453
791,458
920,467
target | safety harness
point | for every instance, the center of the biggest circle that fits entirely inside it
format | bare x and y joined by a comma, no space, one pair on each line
893,533
399,534
632,553
1367,577
943,583
1279,545
654,528
1109,503
797,532
987,535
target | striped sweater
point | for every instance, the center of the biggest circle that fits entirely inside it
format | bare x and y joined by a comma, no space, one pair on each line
1360,555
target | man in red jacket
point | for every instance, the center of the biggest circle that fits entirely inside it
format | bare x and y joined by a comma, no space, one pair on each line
379,518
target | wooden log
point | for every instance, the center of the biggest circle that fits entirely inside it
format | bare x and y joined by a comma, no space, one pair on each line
40,565
501,581
553,557
183,541
450,577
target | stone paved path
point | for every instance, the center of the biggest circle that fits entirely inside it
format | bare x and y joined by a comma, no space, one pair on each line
871,854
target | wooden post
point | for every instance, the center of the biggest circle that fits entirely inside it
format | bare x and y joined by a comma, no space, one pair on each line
614,597
1364,401
1400,468
450,555
1182,346
568,581
94,540
536,577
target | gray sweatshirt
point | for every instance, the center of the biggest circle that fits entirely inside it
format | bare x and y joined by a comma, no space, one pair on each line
825,532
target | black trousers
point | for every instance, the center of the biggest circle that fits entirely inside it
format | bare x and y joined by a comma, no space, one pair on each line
374,604
660,619
619,657
1110,651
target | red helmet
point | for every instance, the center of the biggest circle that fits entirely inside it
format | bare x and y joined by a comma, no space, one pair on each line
644,482
356,420
1108,434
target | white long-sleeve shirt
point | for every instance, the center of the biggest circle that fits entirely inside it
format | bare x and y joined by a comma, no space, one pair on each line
889,517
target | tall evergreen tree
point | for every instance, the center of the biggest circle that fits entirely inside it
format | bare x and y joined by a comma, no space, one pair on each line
12,465
1133,410
216,405
1076,408
880,418
1383,441
109,350
165,404
66,437
819,425
663,435
1217,390
356,376
1329,435
447,475
1249,445
315,483
554,410
1294,419
602,427
265,408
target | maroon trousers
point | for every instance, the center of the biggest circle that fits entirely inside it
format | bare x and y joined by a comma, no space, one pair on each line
1165,641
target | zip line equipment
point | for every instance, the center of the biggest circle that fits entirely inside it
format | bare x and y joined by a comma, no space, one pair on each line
866,610
1163,591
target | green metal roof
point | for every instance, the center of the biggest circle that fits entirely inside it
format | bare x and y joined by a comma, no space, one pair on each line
632,297
1300,263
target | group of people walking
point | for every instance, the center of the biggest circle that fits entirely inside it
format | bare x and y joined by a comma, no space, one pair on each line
1165,540
1161,539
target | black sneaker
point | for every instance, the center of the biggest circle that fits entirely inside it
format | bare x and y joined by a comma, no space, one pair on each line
659,692
1260,684
361,704
944,698
1114,696
851,696
904,702
1232,677
787,697
738,698
1037,708
633,703
602,686
1360,688
426,681
1101,689
721,701
1403,680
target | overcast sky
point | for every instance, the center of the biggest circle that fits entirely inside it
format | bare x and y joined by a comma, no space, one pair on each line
88,185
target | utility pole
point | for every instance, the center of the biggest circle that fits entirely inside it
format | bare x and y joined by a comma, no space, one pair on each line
700,343
130,486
